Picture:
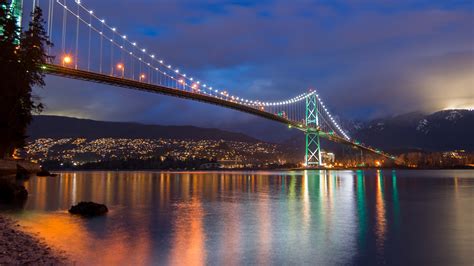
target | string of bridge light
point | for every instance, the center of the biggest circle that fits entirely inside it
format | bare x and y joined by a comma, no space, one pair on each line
176,71
332,118
139,58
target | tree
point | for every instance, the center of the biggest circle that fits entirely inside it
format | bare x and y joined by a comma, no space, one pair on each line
21,57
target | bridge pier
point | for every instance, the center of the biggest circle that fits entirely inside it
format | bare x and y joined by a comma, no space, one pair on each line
313,146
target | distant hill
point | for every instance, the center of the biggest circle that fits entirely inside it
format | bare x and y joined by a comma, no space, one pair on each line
440,131
66,127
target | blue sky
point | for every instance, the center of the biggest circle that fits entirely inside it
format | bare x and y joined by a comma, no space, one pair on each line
367,58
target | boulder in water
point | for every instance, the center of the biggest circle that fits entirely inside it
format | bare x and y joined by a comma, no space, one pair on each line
89,209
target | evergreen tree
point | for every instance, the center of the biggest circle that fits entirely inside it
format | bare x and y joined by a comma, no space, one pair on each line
21,57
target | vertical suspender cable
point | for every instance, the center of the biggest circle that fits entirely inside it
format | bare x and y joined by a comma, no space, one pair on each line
112,54
89,42
50,23
101,44
77,38
64,28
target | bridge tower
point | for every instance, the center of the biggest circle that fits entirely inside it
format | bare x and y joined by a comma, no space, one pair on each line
313,147
16,6
17,9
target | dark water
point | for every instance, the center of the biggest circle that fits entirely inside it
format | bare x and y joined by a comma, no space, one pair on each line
241,218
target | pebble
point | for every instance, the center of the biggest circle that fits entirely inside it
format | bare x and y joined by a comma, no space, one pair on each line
20,248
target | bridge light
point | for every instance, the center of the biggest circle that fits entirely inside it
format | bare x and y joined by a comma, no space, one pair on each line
134,44
124,36
67,59
121,67
114,29
103,21
142,77
91,12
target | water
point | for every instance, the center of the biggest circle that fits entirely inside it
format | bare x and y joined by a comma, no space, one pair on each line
241,218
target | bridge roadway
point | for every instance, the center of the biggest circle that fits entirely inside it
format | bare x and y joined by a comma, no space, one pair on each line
137,85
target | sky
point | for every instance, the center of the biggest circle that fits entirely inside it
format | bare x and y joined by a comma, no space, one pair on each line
366,58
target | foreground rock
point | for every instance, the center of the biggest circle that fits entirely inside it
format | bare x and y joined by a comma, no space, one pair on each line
22,172
12,192
89,209
19,248
11,167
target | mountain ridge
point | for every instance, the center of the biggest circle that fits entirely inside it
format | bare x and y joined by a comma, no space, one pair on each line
49,126
438,131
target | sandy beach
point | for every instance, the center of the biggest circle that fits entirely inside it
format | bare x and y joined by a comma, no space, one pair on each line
20,248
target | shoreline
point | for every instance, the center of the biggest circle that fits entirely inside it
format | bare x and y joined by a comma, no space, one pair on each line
18,247
254,169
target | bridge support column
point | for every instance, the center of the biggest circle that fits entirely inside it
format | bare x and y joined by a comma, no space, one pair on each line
313,147
17,10
16,7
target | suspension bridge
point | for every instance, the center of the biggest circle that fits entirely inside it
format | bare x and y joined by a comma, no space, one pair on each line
88,47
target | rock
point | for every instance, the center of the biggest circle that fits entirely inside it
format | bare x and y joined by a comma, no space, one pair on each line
89,209
21,172
11,192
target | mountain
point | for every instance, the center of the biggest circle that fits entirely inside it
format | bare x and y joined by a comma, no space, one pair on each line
66,127
440,131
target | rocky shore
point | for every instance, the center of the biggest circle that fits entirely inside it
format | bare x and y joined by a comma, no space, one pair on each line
20,248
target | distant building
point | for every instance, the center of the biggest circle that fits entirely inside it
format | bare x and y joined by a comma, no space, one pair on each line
328,157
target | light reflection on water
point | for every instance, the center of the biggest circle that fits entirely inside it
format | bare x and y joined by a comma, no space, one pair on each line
234,218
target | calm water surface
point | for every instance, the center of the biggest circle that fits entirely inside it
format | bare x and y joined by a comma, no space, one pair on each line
241,218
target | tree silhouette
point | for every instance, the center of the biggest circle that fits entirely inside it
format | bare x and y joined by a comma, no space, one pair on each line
21,58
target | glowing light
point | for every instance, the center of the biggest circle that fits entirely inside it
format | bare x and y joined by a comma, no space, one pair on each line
67,59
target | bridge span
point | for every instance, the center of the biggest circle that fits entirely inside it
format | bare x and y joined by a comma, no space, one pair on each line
159,89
